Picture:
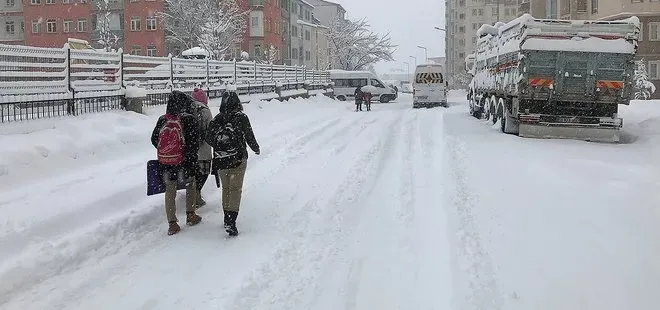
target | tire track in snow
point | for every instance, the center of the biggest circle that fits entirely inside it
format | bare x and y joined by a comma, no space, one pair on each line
71,252
475,277
280,283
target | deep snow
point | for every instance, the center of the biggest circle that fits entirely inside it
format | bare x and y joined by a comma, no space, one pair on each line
390,209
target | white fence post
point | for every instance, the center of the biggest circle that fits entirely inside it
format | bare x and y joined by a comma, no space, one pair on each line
171,71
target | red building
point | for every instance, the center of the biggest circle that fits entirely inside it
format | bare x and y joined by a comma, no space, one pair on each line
143,30
49,23
264,29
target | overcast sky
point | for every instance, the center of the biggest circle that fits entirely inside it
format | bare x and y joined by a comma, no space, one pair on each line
410,23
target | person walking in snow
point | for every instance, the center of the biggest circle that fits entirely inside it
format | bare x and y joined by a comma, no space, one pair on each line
367,100
229,133
359,96
205,153
175,138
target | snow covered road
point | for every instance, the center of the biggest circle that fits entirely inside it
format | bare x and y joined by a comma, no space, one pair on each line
390,209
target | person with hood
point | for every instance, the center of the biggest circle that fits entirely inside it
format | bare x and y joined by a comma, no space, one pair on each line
229,133
205,153
359,96
176,137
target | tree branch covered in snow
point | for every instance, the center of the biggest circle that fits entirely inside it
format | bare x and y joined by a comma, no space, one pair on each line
216,25
356,47
643,87
107,39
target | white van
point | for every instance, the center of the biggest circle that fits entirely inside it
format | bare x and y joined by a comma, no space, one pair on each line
347,81
429,87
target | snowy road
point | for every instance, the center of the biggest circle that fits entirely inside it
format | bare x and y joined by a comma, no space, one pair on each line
392,209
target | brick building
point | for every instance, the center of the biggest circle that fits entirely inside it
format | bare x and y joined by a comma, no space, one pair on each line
50,23
265,28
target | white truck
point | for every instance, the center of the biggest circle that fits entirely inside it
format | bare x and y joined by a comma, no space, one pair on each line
547,78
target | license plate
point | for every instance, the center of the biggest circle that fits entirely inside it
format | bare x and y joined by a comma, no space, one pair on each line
422,97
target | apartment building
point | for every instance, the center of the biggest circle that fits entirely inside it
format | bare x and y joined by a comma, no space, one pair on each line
265,28
648,12
132,24
464,18
326,13
301,33
12,24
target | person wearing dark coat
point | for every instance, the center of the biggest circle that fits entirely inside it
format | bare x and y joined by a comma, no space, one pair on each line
359,96
232,176
179,104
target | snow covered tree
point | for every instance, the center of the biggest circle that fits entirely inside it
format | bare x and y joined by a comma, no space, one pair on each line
215,25
355,46
643,87
271,54
245,56
107,39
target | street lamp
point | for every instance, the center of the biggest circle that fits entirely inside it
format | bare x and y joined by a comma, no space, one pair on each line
426,52
441,29
408,69
415,58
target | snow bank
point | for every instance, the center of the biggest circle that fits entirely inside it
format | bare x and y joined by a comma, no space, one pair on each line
42,148
293,92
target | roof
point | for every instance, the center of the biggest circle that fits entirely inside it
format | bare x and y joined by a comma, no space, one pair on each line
332,3
628,14
306,3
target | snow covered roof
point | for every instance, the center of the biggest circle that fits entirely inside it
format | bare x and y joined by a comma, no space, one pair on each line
304,23
306,3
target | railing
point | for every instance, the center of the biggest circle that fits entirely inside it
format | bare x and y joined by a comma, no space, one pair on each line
45,82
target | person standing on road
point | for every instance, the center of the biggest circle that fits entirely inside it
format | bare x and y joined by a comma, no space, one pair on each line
229,133
359,96
205,153
175,138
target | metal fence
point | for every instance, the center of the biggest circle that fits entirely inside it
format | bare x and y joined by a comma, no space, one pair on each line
49,82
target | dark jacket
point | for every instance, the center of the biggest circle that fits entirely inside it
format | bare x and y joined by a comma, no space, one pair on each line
231,110
180,104
359,95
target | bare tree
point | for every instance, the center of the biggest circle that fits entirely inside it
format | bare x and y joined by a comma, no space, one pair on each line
271,54
182,20
355,46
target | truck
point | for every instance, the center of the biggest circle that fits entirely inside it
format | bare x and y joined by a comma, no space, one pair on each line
548,78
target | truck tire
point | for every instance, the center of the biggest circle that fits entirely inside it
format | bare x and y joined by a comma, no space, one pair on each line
486,109
341,98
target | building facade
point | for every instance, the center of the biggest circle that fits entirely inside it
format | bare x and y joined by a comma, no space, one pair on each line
285,9
464,18
648,12
327,13
49,23
143,31
12,22
265,29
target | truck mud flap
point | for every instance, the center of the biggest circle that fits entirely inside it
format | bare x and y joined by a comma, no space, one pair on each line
587,133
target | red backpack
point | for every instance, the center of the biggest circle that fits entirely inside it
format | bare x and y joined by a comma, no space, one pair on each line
170,141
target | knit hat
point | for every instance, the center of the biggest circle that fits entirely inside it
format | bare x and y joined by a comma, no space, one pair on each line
199,95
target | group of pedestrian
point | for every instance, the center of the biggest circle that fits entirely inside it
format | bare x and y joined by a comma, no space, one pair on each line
362,96
192,144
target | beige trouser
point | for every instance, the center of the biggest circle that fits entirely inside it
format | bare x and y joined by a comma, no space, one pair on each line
170,197
232,187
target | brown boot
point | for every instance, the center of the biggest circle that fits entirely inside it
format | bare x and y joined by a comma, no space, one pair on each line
174,228
192,218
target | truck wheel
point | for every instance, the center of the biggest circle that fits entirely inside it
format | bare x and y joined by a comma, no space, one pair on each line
494,104
341,98
487,109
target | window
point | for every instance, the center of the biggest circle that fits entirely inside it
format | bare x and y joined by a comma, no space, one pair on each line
136,23
307,15
82,25
461,16
151,51
654,31
35,2
294,53
475,26
50,1
151,25
308,55
308,35
582,6
36,26
641,32
594,6
481,12
255,21
377,83
474,12
66,1
654,70
494,11
51,26
66,25
10,28
294,31
11,3
136,50
257,50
